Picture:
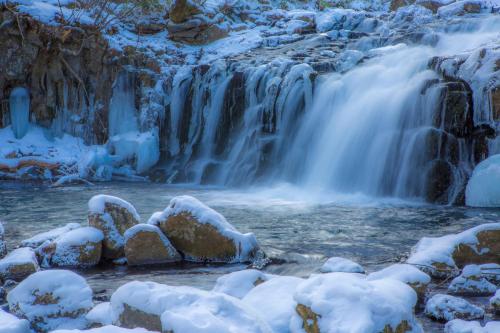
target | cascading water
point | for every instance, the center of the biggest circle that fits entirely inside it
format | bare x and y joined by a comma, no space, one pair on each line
380,129
19,105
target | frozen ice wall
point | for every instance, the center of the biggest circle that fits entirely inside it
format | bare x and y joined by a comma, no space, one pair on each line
19,105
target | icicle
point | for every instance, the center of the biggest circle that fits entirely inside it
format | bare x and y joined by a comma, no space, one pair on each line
19,104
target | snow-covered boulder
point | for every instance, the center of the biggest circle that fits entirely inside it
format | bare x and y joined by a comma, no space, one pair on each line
338,264
48,236
165,308
445,308
51,300
80,247
346,302
471,283
11,324
18,264
483,188
3,245
442,256
495,302
463,326
238,284
203,235
106,329
460,8
273,301
146,244
405,273
113,216
491,272
100,315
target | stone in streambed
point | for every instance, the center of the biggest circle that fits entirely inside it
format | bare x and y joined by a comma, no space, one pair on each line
471,283
446,307
18,264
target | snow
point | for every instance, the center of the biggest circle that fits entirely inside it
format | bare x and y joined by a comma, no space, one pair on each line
11,324
483,188
463,326
447,307
19,106
471,281
431,250
100,314
20,256
273,300
50,235
347,302
401,272
187,309
245,243
71,292
106,329
457,8
338,264
239,284
97,205
142,148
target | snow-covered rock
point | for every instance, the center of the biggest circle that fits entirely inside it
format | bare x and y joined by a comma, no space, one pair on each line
18,264
238,284
3,245
53,299
146,244
483,188
81,247
11,324
491,272
460,8
273,301
201,234
346,302
445,308
463,326
100,315
165,308
442,256
106,329
495,302
338,264
113,216
50,235
405,273
471,283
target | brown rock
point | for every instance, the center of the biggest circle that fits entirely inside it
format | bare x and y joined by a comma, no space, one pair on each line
487,250
181,10
196,31
131,317
18,264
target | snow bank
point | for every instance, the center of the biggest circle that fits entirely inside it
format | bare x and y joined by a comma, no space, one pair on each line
273,301
50,235
238,284
463,326
483,188
11,324
446,308
346,302
186,309
52,300
338,264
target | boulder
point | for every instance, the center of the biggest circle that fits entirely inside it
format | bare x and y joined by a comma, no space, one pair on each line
460,8
327,302
11,324
405,273
18,264
442,257
181,10
52,299
471,283
164,308
113,216
338,264
495,302
201,234
197,31
146,244
238,284
442,307
3,245
48,236
100,315
81,247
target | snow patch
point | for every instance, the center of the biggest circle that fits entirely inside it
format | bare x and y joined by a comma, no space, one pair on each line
338,264
239,284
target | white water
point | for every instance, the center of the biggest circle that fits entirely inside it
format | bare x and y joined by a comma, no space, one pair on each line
19,105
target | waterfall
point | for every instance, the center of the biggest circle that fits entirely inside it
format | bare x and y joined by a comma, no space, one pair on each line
19,105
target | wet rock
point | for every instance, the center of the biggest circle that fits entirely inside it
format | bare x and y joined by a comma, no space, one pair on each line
445,308
146,244
181,10
113,216
201,234
439,180
18,264
471,283
3,245
81,248
52,299
495,103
